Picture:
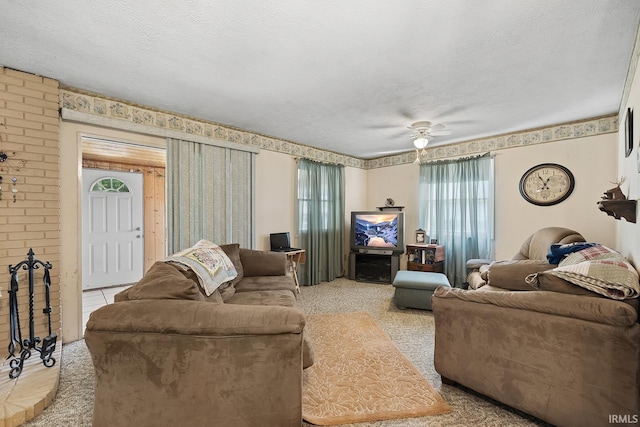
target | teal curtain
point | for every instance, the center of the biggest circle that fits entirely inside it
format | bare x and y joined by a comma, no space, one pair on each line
209,195
320,221
456,203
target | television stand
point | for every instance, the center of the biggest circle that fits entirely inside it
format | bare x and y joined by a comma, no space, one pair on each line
373,268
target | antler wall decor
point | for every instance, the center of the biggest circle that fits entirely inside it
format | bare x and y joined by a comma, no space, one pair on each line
614,203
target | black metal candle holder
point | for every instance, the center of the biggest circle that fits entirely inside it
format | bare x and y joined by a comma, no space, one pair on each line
17,343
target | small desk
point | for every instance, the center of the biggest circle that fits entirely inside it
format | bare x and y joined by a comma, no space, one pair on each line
295,258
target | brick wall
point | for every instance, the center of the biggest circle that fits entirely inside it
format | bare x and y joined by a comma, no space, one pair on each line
29,130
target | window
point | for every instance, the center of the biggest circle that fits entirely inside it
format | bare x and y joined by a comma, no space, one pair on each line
322,202
320,197
110,185
456,207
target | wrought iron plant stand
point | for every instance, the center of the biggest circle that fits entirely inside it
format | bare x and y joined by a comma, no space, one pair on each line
17,343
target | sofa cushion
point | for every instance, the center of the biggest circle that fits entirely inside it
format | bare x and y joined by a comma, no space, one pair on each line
210,263
512,274
227,289
164,281
266,283
233,252
545,281
530,274
283,298
191,275
263,263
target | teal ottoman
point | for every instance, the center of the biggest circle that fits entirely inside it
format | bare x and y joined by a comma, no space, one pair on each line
413,289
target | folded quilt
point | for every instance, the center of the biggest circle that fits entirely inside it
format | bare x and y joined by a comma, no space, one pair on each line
602,270
210,263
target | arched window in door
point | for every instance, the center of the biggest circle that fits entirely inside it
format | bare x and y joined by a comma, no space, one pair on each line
110,185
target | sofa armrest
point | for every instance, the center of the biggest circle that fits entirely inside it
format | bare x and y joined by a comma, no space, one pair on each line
122,295
263,263
600,310
476,263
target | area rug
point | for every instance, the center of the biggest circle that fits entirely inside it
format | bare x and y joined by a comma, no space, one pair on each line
359,375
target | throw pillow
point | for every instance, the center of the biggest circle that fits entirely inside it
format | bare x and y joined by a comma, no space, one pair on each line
547,281
164,281
511,274
263,263
233,252
209,262
215,297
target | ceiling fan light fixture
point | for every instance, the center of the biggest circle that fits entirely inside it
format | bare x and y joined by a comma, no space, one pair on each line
420,142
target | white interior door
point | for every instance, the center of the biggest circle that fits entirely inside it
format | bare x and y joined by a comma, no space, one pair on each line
112,228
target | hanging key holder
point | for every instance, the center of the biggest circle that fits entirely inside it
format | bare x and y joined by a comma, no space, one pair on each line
14,190
16,343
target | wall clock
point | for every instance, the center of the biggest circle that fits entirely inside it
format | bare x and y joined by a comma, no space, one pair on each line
546,184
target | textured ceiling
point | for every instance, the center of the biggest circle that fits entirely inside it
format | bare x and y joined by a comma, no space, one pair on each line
347,76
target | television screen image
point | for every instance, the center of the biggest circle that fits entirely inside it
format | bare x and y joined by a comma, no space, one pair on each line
376,230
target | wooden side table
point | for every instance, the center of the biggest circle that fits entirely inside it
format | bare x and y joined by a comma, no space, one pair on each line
295,258
423,257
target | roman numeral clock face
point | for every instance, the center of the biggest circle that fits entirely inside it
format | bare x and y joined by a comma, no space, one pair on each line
546,184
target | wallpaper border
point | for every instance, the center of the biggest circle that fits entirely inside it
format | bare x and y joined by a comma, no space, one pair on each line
133,115
572,130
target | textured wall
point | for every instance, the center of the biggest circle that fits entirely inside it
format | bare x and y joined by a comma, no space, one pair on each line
628,234
29,128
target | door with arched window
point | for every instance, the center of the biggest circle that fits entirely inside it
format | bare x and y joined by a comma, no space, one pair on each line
112,228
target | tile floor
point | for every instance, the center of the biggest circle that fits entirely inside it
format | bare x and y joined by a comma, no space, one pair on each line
95,298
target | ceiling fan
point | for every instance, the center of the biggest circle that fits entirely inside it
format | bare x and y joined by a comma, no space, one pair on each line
424,131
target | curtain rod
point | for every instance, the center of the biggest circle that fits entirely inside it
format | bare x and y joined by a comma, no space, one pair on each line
461,159
317,161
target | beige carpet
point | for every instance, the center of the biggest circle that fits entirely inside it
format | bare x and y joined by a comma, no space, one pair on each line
360,375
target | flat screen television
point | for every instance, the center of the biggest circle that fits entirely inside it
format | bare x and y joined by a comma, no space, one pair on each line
377,232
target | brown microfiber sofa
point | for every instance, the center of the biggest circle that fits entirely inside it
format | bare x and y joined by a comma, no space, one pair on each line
164,354
563,354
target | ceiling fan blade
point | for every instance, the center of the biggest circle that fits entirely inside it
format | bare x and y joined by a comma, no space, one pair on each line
440,133
439,126
382,127
405,113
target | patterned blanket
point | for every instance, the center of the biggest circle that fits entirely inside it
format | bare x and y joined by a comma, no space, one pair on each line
210,263
602,270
